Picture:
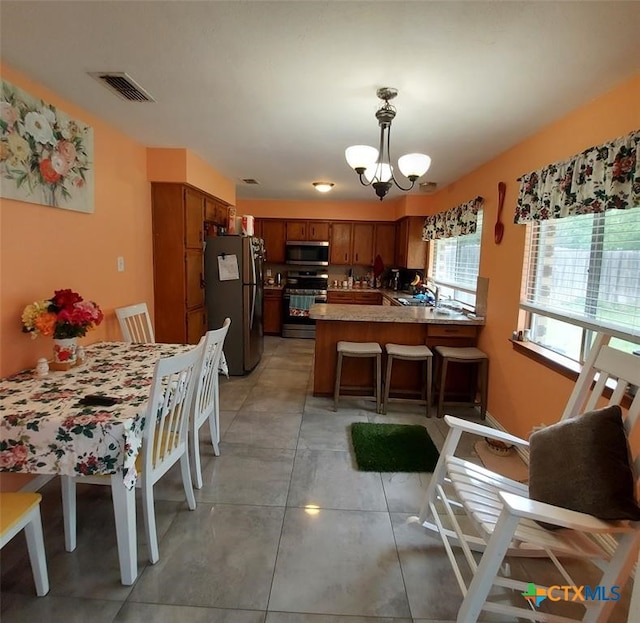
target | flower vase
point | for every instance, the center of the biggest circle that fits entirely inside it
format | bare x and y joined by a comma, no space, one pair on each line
64,350
49,195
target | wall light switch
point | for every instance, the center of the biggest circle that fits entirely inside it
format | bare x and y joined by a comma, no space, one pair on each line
120,264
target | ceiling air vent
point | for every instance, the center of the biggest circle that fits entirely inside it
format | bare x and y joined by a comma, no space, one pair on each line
123,85
428,187
250,180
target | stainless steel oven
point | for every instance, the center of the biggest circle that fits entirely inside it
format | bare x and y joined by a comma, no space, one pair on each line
307,253
302,290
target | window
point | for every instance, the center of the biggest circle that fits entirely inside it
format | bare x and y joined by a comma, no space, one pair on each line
455,263
582,274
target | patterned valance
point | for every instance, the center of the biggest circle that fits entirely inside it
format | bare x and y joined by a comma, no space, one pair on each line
601,178
458,221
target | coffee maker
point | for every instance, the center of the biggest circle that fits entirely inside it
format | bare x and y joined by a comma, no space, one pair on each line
394,280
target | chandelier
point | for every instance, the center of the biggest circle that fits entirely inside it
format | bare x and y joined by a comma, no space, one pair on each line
374,165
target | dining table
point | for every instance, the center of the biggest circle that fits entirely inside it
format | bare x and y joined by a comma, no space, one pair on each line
44,429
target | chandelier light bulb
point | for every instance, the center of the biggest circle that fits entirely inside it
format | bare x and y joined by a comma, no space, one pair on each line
414,165
378,172
360,156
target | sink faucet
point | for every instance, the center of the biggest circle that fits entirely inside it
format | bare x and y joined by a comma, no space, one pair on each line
435,291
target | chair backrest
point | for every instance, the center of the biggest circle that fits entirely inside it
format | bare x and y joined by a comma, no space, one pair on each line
167,417
206,393
607,369
135,324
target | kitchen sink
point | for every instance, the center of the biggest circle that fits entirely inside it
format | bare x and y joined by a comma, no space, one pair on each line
409,302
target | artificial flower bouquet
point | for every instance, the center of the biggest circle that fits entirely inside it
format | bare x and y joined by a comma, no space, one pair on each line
64,316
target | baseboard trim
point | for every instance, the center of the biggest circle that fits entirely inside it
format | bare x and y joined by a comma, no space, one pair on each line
522,452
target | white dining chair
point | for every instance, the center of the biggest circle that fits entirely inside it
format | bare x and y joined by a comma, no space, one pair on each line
135,324
206,398
164,444
21,511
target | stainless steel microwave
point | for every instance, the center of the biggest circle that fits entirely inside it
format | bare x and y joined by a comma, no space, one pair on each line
307,253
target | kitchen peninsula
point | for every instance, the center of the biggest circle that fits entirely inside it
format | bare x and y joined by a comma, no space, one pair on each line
382,324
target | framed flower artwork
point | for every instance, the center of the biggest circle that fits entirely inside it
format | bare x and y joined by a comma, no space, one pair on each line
46,157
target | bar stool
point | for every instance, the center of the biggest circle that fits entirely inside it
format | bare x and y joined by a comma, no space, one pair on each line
358,349
409,353
463,355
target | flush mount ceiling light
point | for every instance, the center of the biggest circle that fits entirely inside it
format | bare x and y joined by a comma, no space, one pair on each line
323,187
374,165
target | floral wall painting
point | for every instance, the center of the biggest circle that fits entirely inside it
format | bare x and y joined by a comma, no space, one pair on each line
46,157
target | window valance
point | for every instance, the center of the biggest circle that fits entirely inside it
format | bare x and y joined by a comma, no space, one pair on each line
600,178
458,221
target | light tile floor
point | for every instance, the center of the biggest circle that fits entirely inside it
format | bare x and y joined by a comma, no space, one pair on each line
255,550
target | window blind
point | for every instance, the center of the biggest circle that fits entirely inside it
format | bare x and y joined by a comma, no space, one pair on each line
456,261
585,270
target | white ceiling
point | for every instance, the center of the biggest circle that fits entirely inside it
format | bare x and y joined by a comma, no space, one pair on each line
276,90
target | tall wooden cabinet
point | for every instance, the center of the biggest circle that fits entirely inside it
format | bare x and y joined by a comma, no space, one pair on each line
178,213
385,243
274,234
411,250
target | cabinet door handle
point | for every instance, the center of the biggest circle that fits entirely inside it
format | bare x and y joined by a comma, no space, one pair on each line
356,257
202,283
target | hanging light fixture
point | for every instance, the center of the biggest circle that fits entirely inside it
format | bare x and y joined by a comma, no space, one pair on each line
373,166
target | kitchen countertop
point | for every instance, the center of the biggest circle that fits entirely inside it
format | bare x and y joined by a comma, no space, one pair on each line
391,313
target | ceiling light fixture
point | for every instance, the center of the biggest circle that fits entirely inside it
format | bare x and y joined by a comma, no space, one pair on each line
374,165
323,187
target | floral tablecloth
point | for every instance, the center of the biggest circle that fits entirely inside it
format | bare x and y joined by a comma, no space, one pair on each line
43,429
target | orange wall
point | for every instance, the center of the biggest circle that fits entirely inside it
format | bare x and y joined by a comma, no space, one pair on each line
372,210
523,393
181,165
43,249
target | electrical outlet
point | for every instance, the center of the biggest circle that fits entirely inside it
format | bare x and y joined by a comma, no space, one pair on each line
120,264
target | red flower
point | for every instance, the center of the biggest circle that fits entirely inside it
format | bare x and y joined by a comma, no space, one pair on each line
66,299
49,174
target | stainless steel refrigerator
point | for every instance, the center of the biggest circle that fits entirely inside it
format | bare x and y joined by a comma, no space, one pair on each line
236,293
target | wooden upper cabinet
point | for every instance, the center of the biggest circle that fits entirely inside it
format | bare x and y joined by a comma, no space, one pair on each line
194,218
257,228
411,250
296,230
362,250
384,243
340,243
216,211
274,235
308,230
318,230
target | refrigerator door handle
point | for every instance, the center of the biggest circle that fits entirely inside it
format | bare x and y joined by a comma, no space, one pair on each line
253,305
254,259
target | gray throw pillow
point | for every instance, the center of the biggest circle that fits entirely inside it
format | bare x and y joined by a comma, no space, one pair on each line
583,464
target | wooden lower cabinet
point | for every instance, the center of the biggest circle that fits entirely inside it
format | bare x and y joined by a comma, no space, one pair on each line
407,375
196,325
353,297
272,315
